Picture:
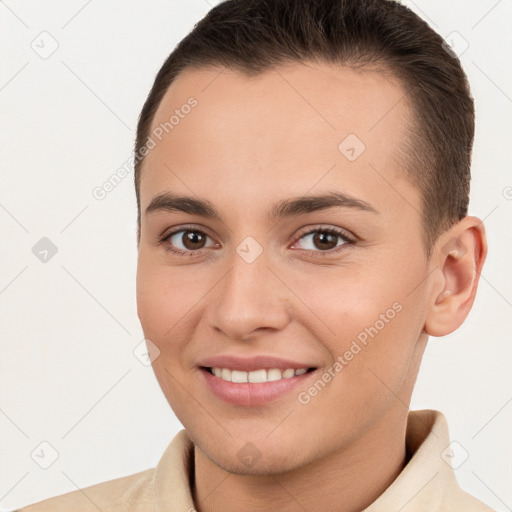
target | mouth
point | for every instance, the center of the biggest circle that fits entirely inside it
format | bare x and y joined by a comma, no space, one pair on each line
256,387
259,376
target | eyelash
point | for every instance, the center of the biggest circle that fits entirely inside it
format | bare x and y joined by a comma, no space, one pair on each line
333,231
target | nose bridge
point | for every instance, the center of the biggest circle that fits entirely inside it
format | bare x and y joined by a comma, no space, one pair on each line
248,297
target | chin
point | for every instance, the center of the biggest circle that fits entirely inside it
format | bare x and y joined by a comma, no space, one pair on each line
268,464
259,457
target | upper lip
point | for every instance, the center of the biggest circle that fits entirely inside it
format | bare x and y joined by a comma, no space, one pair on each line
249,364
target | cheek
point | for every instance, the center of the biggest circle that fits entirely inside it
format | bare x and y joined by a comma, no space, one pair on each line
371,358
164,297
164,294
369,322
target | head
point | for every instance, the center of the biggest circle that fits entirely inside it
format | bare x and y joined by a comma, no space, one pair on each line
278,121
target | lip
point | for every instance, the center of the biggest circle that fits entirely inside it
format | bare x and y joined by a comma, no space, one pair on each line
250,394
249,364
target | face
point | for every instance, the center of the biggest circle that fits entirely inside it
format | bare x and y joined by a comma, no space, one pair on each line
252,274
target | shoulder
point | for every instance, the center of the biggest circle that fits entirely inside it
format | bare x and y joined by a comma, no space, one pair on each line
168,483
467,502
132,493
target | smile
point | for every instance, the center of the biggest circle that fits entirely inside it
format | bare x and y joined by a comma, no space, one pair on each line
258,387
256,376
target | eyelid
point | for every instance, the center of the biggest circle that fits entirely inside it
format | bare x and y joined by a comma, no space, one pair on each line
164,238
184,227
344,233
302,232
348,237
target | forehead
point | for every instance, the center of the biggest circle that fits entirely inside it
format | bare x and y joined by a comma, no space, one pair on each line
278,132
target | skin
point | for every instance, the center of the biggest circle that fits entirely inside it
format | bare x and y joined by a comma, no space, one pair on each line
249,143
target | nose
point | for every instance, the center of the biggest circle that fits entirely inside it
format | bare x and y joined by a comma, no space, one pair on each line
248,298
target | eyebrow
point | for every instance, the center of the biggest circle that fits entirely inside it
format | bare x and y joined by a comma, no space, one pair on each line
171,202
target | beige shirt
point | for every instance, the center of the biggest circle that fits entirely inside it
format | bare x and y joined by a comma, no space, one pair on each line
427,483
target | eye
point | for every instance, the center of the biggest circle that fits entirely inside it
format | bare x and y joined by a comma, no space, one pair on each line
321,241
186,241
325,240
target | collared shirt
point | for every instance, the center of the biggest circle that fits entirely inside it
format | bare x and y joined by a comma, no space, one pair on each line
427,482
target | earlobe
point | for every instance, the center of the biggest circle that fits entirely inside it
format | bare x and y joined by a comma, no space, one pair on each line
460,254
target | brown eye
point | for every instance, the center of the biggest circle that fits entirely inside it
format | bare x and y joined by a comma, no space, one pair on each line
193,240
186,241
324,240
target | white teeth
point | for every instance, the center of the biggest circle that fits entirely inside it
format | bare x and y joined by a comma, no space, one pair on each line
237,376
256,376
274,374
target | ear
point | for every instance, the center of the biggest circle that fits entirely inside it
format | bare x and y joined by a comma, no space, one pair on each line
460,253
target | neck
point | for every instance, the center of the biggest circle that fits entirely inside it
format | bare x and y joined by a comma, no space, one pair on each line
348,480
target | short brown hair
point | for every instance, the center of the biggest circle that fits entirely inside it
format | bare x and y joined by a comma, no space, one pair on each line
252,36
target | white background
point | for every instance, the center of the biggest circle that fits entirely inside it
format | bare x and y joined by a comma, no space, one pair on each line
69,326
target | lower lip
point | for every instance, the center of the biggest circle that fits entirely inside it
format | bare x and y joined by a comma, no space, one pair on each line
252,394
